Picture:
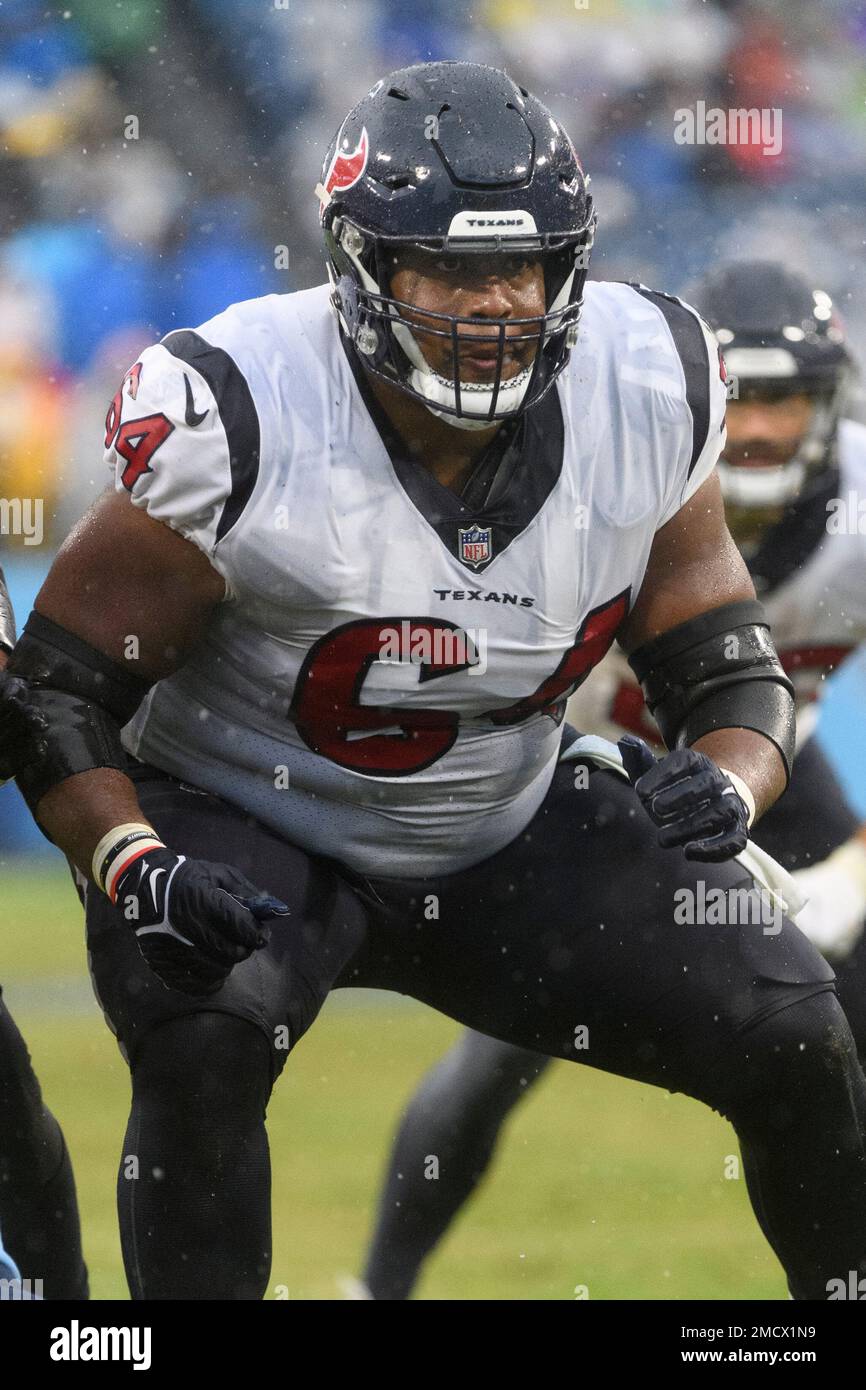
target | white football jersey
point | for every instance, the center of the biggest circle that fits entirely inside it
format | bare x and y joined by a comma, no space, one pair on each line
817,614
386,678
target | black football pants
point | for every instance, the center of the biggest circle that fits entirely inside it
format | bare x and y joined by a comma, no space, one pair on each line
462,1103
564,942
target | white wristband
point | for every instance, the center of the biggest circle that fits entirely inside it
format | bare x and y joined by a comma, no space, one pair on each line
744,791
143,838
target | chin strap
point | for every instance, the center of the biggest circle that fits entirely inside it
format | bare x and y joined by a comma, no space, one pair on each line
757,488
475,398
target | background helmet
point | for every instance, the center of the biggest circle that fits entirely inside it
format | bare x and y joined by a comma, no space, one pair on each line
779,337
454,158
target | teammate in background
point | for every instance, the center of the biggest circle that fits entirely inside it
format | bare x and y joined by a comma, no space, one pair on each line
789,462
317,496
38,1208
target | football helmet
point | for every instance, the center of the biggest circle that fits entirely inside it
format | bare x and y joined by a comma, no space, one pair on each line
779,337
454,158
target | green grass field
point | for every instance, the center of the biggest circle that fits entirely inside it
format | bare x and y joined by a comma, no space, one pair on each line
599,1182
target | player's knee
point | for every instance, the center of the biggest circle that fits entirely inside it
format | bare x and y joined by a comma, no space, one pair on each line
799,1055
809,1035
204,1063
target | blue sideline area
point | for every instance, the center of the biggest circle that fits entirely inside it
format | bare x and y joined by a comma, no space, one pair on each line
842,727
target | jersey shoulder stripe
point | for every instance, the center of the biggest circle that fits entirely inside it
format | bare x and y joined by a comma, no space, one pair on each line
237,412
690,342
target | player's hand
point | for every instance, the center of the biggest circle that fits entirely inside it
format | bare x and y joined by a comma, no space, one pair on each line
691,800
194,920
834,915
20,724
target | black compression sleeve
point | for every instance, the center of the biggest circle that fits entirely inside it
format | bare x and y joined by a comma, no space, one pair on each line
81,700
719,670
48,655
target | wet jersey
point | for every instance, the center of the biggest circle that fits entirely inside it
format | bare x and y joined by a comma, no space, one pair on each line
385,680
816,606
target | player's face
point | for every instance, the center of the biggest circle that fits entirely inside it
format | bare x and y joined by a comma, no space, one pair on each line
762,432
473,286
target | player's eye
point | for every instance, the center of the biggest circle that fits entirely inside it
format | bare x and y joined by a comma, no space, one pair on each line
450,265
501,267
519,265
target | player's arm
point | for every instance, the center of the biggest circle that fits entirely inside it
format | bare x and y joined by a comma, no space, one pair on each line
696,637
121,583
122,575
698,641
130,592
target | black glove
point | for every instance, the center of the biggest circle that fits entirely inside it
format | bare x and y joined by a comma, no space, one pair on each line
20,726
193,920
691,800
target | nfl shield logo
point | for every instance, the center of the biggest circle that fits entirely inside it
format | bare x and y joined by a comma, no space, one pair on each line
475,544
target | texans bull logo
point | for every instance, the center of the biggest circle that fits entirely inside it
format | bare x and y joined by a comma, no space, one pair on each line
344,170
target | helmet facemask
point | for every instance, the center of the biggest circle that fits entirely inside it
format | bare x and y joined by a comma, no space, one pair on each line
390,334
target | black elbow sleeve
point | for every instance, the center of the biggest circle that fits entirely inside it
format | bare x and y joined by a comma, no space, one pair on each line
718,671
78,701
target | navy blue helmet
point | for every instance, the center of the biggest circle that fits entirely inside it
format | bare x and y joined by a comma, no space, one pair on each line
454,158
780,336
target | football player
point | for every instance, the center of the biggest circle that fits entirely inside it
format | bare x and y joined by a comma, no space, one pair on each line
787,471
366,539
38,1207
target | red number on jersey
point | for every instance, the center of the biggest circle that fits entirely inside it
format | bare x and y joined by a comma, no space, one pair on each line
328,714
112,419
592,642
331,720
137,441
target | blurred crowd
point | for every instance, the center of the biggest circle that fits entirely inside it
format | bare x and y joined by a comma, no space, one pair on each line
159,156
